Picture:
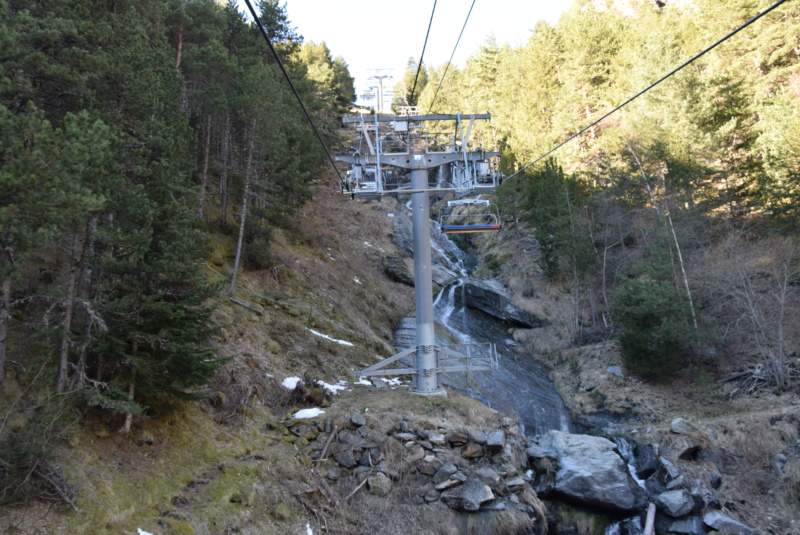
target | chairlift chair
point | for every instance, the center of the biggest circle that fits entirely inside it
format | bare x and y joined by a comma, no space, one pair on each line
460,217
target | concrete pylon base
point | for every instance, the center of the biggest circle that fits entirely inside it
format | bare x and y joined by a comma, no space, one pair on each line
441,393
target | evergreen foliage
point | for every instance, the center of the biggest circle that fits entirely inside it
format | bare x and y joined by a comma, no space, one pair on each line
117,123
707,153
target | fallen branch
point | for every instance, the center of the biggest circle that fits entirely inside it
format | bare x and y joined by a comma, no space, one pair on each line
247,306
734,376
327,443
649,524
346,498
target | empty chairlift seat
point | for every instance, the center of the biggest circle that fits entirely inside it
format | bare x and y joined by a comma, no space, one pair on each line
469,216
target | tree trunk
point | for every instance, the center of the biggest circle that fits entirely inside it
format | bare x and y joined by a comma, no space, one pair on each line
204,180
5,318
223,172
180,49
126,426
69,306
242,217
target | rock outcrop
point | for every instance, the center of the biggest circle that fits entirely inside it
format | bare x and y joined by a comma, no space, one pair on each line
589,471
494,299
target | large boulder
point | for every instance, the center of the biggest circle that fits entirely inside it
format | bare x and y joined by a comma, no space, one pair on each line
494,299
675,503
590,472
726,524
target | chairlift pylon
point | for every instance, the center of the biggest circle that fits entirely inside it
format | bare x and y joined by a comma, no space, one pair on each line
466,216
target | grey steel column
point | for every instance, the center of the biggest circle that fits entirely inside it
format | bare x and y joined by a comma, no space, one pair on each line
427,379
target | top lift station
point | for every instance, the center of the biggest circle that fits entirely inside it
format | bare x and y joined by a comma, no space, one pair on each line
410,154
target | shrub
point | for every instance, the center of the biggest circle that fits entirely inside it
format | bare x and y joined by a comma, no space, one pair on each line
655,334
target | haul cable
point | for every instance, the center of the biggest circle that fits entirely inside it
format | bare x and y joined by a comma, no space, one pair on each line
291,85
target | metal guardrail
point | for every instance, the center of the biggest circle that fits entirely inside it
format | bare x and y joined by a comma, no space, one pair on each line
449,358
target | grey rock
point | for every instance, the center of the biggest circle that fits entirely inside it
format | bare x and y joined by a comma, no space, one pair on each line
536,451
405,436
402,427
669,469
471,451
457,439
616,370
714,479
684,447
591,472
345,459
515,484
469,496
645,460
493,479
726,524
427,468
494,299
397,269
414,454
675,503
437,439
379,484
689,525
442,276
677,483
444,472
358,419
376,382
448,484
478,437
680,426
348,437
494,505
432,496
496,441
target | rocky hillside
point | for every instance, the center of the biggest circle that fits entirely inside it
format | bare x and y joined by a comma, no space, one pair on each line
372,458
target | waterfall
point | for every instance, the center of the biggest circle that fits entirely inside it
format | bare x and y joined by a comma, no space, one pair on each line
520,385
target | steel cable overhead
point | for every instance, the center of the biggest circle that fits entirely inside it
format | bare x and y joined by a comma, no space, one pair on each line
291,85
425,44
651,86
441,81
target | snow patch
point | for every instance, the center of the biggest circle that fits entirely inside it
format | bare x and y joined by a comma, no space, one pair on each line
325,336
333,389
308,530
367,244
140,531
291,382
362,381
307,413
393,382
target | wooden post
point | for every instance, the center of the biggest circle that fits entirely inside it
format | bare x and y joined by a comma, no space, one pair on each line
649,525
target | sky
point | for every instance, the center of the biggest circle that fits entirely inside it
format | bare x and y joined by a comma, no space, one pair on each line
383,34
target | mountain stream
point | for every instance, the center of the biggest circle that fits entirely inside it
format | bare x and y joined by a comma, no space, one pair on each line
519,385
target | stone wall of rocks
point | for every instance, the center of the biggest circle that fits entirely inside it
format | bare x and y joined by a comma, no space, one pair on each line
467,471
484,471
